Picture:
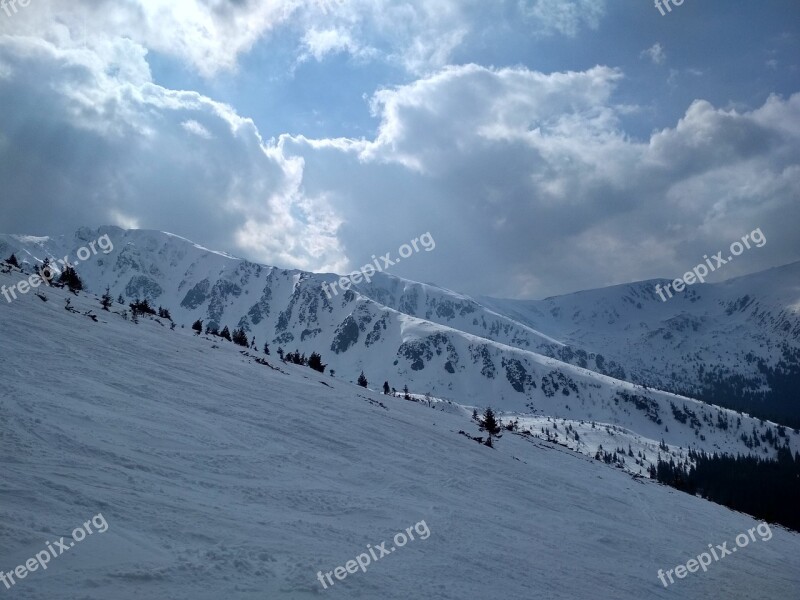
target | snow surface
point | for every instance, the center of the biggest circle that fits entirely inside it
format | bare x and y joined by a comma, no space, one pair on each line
222,478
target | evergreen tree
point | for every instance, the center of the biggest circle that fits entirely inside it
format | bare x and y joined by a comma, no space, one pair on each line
198,326
240,337
386,389
730,480
46,271
120,300
107,300
143,307
406,395
490,423
315,362
362,380
266,348
225,333
70,277
12,260
280,353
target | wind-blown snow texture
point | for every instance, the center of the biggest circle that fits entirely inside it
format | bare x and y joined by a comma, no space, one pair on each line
222,478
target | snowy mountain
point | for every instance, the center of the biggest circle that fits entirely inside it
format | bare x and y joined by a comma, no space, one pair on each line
735,343
433,340
223,476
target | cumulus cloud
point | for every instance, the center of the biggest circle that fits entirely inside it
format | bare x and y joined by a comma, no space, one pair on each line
533,187
102,142
209,35
655,53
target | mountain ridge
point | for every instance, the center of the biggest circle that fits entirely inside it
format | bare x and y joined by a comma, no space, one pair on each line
394,329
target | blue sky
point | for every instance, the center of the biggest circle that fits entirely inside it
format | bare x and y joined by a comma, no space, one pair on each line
704,57
547,145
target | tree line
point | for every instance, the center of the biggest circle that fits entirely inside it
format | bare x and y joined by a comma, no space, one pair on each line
767,489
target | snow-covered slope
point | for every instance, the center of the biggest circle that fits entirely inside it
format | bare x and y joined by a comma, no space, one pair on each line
220,477
423,350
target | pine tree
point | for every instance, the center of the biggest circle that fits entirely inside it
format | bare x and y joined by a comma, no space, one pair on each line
143,307
198,326
107,300
386,389
490,423
280,353
406,395
362,380
225,333
266,348
315,362
120,300
240,337
70,277
46,271
12,260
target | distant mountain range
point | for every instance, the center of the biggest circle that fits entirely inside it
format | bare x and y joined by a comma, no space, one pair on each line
734,344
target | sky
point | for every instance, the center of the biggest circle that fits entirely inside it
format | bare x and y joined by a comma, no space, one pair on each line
548,146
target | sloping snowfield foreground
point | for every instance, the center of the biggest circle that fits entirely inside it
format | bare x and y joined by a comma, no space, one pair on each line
220,478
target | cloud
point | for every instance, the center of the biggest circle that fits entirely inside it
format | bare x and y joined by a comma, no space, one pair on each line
102,143
565,17
531,186
210,36
528,181
655,53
